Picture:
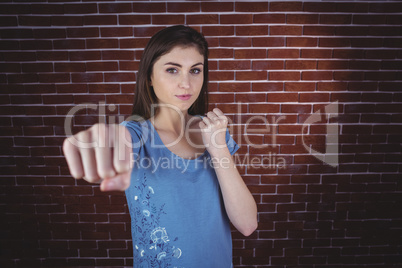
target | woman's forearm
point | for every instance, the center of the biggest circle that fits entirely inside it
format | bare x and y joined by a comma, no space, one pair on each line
239,203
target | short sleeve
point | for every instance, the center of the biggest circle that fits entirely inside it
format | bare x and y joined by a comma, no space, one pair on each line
136,132
232,145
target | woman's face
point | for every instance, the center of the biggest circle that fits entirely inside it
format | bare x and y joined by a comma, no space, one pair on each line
179,72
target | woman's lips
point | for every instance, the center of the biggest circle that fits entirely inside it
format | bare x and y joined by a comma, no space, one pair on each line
184,97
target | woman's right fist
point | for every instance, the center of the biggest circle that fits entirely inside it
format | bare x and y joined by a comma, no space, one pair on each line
101,154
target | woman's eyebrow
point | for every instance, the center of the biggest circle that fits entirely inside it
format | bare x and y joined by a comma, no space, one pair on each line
179,65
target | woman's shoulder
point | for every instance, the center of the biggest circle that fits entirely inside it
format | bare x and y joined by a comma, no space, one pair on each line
137,127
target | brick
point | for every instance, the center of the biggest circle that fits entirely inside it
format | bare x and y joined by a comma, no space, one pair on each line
217,31
284,76
217,6
203,19
269,18
285,30
322,30
220,76
84,55
100,20
49,33
251,75
252,30
22,78
352,7
134,19
83,32
69,67
183,7
86,77
295,108
47,9
20,56
286,6
336,19
102,43
33,21
235,42
234,87
384,7
15,9
67,21
264,108
302,19
69,44
168,19
290,208
236,19
250,53
299,86
119,77
9,45
146,31
116,32
80,8
70,88
334,42
16,33
301,42
267,65
393,19
316,53
52,56
54,78
316,75
149,7
31,121
115,8
234,65
333,64
268,41
101,66
387,76
258,97
372,19
390,65
283,53
246,7
129,66
300,64
133,43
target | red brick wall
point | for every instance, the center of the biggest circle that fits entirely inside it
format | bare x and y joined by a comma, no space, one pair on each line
273,59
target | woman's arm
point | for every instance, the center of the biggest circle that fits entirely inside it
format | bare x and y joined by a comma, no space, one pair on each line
239,203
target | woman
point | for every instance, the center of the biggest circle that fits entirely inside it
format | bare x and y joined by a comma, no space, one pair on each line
181,191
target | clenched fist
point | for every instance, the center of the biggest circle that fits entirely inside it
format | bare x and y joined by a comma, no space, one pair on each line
213,130
101,154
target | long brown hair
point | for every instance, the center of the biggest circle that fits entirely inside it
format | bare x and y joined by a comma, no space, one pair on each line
161,43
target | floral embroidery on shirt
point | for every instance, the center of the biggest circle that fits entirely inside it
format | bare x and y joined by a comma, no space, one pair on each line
154,247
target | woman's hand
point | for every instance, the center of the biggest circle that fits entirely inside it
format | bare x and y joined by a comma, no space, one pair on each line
101,154
213,131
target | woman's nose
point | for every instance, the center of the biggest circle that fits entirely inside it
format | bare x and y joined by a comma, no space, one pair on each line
184,81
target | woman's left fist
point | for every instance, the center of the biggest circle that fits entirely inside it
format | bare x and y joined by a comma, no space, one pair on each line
213,130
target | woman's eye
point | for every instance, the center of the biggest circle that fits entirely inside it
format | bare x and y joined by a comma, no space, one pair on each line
171,70
196,71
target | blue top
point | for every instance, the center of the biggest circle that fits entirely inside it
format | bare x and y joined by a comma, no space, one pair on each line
178,218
